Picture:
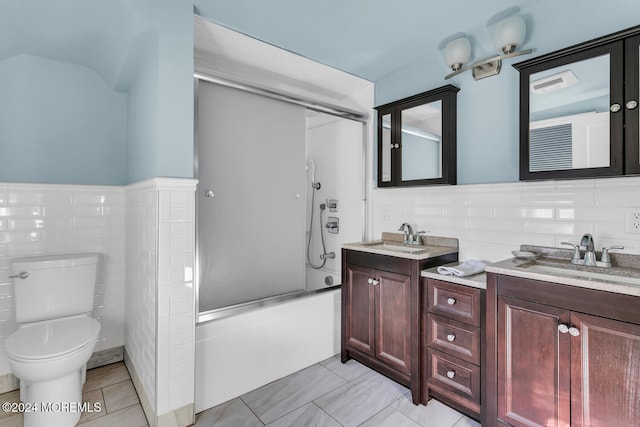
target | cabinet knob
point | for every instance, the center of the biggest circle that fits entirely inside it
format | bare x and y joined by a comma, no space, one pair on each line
563,328
631,105
451,337
574,331
615,108
396,145
370,280
451,374
208,194
451,301
374,282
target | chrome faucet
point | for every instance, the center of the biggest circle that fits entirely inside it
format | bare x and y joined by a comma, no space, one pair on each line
589,254
408,233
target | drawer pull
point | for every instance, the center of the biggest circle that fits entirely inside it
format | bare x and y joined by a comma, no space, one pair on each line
451,374
451,301
451,337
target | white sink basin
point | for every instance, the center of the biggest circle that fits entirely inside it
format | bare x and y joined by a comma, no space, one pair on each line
385,246
580,274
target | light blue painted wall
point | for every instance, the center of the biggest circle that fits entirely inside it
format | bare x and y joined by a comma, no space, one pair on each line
66,123
60,123
488,109
161,108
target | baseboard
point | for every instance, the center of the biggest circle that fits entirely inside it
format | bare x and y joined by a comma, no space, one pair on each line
8,382
147,407
106,357
181,417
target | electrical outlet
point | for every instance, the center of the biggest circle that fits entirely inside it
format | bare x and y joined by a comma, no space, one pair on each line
386,212
633,220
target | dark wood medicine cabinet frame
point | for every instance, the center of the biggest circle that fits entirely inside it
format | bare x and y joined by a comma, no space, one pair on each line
446,94
624,86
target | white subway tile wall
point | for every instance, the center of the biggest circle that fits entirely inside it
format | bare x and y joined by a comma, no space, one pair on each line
176,299
38,219
491,220
141,291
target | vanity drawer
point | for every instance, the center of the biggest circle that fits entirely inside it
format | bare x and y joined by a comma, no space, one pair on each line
449,375
454,301
453,337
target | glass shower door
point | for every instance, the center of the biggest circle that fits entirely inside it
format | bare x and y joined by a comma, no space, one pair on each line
250,199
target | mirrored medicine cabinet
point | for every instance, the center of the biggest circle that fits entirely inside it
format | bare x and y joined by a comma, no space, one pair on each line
579,110
417,139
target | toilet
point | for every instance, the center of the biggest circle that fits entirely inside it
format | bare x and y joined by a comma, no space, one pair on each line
56,335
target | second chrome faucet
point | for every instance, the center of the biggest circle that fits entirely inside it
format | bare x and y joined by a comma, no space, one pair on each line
590,254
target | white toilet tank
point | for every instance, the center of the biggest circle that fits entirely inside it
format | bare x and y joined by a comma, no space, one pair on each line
54,286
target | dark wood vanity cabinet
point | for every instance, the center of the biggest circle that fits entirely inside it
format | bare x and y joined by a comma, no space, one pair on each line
452,317
380,313
549,363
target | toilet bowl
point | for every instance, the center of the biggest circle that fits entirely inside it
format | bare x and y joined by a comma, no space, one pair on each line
55,336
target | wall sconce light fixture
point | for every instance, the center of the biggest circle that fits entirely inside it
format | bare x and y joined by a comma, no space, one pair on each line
508,34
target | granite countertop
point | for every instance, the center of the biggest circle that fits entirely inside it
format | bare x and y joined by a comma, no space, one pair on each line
391,244
622,280
475,281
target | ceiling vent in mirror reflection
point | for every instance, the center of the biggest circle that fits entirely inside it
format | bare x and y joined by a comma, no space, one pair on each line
554,82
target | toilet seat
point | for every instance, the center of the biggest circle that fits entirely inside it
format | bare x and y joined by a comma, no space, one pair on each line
52,339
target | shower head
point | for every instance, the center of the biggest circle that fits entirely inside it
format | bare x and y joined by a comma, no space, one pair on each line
311,166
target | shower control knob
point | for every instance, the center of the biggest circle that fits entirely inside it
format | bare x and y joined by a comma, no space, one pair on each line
208,194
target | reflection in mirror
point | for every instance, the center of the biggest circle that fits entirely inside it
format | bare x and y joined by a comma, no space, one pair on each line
386,148
569,116
422,142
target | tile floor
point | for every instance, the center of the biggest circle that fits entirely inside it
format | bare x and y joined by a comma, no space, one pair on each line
108,385
331,394
327,394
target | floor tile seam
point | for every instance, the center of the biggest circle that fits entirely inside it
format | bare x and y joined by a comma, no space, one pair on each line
458,420
342,385
299,407
113,413
288,376
250,410
128,405
348,379
383,409
334,373
328,414
343,382
104,404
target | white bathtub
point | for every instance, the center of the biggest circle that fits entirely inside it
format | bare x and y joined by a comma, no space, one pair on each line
239,353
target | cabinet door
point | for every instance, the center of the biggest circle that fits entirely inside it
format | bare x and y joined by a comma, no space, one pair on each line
360,309
605,372
393,320
632,109
533,364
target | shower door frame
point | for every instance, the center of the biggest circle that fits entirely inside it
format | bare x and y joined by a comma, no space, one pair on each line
310,104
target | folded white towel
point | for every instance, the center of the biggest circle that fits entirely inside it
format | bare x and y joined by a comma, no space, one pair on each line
467,268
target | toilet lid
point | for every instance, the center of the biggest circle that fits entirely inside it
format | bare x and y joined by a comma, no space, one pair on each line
52,338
